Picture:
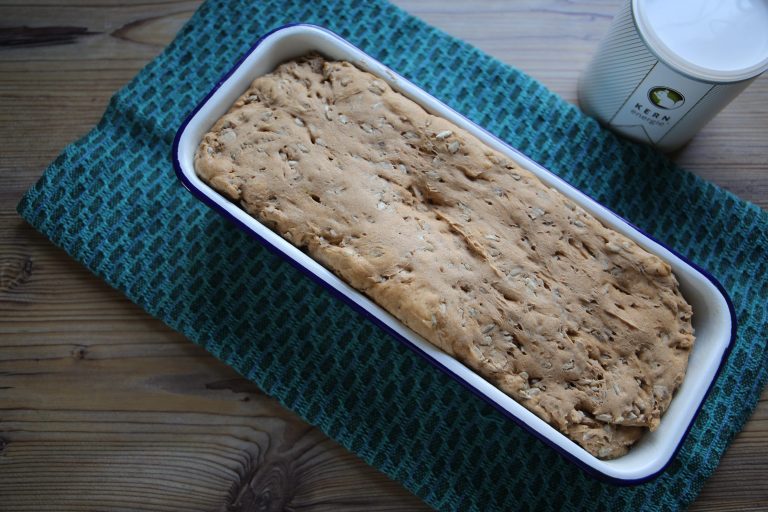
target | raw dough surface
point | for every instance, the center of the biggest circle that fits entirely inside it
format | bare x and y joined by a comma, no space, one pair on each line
571,319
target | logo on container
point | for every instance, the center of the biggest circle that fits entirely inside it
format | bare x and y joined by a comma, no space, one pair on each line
666,98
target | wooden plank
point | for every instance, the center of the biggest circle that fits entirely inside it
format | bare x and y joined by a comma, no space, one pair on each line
103,407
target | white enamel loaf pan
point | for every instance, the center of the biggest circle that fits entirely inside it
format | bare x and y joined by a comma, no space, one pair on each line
713,314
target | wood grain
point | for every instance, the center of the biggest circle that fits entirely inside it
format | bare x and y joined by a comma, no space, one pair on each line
105,408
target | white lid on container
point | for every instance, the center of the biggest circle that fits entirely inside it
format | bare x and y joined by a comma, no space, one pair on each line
712,40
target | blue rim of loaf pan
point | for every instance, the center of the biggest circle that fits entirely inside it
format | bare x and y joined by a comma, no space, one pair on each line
380,323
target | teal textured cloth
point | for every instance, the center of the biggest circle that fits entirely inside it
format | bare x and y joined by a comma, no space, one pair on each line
113,202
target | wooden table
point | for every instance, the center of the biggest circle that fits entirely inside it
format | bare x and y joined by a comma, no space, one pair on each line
105,408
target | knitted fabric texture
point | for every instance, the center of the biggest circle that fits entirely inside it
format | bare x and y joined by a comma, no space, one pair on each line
113,202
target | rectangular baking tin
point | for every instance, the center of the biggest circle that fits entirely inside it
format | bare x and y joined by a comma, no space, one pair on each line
713,318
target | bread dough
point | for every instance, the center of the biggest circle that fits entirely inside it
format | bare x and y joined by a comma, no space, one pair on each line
568,317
